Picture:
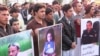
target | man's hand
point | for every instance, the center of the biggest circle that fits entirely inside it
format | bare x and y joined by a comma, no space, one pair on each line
78,21
73,45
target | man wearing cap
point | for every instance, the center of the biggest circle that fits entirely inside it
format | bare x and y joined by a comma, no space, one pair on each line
13,49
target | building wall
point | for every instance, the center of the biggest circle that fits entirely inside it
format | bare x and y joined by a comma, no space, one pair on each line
1,1
18,1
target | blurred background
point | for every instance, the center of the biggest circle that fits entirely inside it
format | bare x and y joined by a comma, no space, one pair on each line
11,2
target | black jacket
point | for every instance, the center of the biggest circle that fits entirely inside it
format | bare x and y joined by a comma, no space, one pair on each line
9,31
68,33
89,37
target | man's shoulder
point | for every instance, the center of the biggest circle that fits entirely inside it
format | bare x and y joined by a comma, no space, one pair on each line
8,26
93,30
85,30
31,22
61,20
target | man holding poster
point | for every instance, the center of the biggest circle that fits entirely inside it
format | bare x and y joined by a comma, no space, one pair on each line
37,22
68,31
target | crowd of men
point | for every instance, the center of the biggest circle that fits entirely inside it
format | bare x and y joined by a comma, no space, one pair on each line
19,17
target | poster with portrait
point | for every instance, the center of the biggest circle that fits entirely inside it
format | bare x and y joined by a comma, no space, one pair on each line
19,44
90,37
49,40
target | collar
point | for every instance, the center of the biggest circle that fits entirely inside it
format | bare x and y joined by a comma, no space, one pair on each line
74,13
2,26
68,20
7,27
38,22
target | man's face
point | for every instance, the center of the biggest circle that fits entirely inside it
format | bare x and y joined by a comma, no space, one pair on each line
27,6
13,51
50,16
79,7
16,26
56,7
86,2
41,13
69,13
15,15
89,26
4,17
92,11
18,6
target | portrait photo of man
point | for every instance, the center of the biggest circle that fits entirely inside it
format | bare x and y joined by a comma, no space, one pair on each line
89,34
13,49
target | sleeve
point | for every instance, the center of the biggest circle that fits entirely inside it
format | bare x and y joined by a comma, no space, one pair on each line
66,39
83,38
95,36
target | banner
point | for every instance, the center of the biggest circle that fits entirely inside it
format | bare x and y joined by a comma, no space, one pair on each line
90,37
50,40
19,44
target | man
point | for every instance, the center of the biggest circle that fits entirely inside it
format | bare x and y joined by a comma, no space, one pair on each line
77,6
86,2
15,25
25,12
5,29
37,22
15,15
49,16
17,6
13,49
89,12
68,31
89,35
77,16
58,14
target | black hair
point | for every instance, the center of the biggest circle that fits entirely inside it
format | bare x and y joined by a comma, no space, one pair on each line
48,10
14,5
51,31
14,10
12,21
66,7
3,8
31,9
89,22
88,9
37,7
26,3
55,2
